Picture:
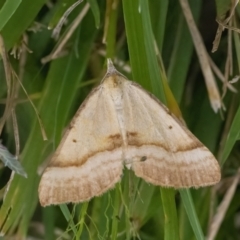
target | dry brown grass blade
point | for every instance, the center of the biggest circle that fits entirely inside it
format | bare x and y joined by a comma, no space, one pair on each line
111,6
57,29
222,208
10,86
212,88
221,77
22,61
222,25
59,51
44,135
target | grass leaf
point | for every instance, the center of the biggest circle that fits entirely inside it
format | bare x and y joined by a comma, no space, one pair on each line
7,11
11,161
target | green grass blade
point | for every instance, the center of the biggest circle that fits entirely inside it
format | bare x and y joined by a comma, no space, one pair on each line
182,52
192,216
136,45
159,11
7,11
20,21
153,67
96,12
233,136
49,223
171,230
69,218
83,213
110,30
115,216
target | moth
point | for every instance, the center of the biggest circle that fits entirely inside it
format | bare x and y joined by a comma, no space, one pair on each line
120,124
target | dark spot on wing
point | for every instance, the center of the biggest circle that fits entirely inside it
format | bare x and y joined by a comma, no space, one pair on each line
170,127
115,81
133,138
131,219
74,140
142,159
132,134
115,140
115,136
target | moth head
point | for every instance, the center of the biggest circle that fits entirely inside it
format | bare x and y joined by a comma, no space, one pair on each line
114,81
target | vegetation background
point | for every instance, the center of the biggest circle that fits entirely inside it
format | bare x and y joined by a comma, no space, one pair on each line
157,44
